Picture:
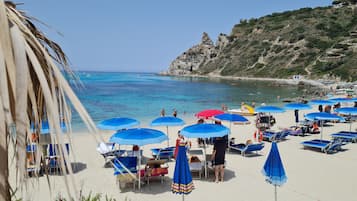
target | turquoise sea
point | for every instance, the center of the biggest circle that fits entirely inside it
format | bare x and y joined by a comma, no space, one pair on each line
143,95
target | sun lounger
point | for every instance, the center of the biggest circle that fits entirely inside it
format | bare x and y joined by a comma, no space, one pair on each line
197,165
155,168
244,149
32,169
125,168
54,158
108,151
324,145
160,153
275,136
345,136
349,132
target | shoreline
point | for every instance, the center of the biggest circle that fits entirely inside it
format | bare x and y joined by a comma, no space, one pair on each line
287,81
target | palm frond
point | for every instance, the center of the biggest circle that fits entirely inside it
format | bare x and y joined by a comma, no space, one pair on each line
33,90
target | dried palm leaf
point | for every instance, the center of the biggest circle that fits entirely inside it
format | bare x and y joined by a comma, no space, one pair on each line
33,90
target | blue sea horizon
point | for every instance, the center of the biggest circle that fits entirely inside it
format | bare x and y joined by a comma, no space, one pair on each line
143,95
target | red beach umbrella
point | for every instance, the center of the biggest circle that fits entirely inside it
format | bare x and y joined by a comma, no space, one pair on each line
208,113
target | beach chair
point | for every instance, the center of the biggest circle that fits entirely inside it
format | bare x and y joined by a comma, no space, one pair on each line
134,153
197,165
160,153
275,136
324,146
345,136
54,159
108,151
31,167
249,148
154,168
125,169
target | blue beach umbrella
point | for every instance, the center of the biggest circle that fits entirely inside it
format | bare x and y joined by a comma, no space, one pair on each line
321,102
232,118
269,109
167,121
297,107
45,127
236,118
273,168
204,131
347,111
182,179
138,136
341,100
117,123
323,116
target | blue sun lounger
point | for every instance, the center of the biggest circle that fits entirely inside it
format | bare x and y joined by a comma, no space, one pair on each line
345,136
324,145
244,149
125,168
275,136
160,153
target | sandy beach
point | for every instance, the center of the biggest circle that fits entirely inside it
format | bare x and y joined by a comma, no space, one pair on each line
312,175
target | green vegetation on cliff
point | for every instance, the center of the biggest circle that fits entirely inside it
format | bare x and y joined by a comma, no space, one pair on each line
319,42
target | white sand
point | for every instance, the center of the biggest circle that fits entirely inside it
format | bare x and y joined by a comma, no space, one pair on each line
312,175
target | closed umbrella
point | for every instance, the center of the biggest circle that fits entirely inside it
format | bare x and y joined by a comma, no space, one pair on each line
273,169
167,121
204,131
117,123
138,136
182,179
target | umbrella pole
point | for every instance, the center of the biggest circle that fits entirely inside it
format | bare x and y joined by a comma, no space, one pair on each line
204,149
350,122
168,139
276,194
322,128
139,158
183,197
229,134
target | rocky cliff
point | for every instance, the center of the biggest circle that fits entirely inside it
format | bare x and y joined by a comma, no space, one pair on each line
190,61
315,43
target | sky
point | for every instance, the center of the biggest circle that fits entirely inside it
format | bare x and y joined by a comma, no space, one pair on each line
142,36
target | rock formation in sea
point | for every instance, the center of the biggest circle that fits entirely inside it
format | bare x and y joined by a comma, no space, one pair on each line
189,61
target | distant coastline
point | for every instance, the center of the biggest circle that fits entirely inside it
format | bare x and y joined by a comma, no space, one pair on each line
314,83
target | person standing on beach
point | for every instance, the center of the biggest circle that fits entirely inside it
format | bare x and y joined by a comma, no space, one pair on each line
174,113
218,158
162,112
